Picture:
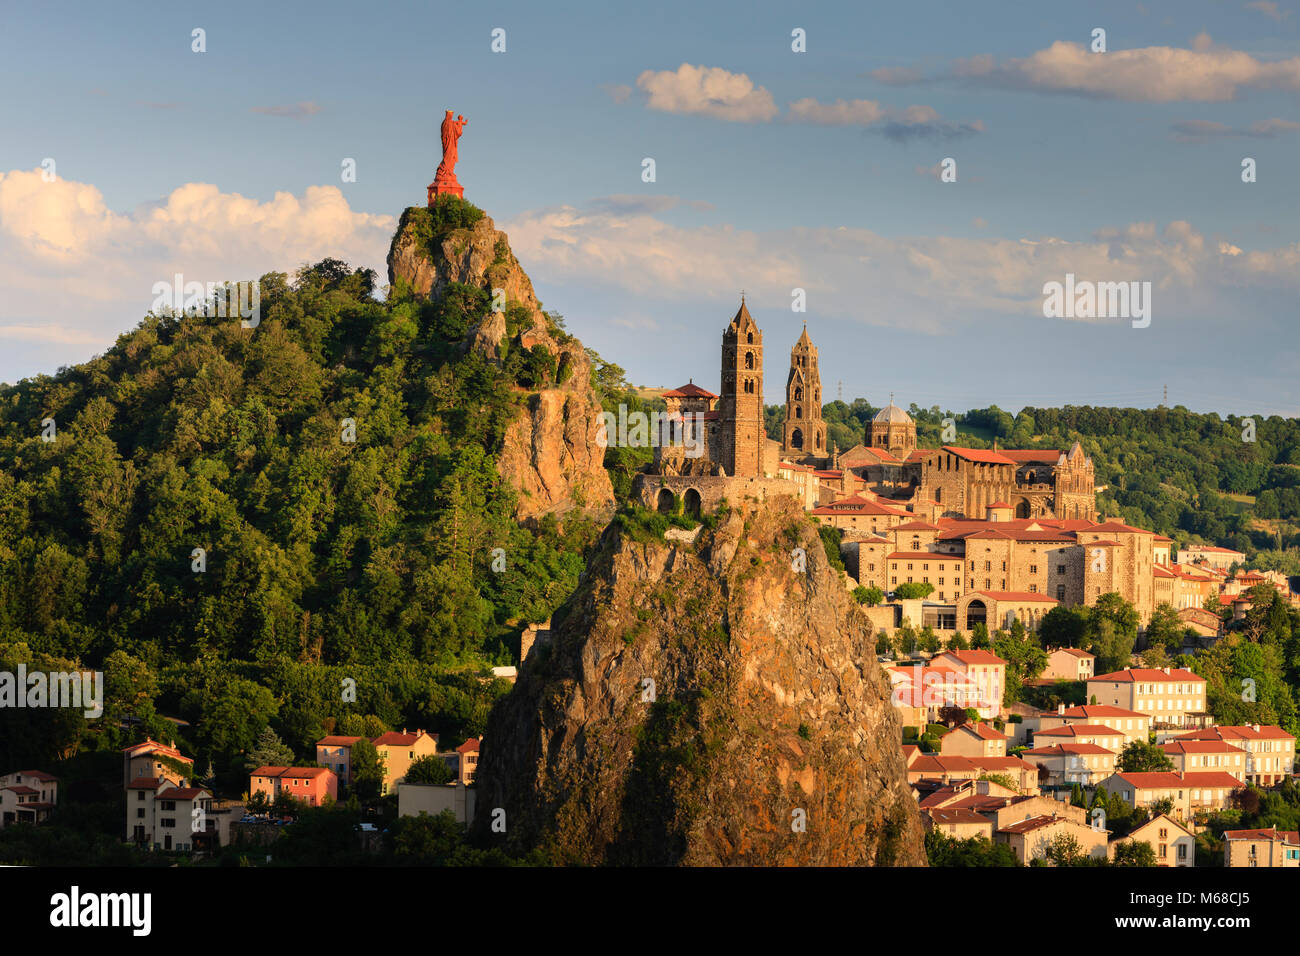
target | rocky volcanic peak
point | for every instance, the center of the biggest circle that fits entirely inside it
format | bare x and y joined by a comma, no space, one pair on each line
698,698
550,453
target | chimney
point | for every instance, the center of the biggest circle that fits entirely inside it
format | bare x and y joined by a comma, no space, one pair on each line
1166,670
1060,710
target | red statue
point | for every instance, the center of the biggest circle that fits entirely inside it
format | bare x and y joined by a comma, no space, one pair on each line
444,181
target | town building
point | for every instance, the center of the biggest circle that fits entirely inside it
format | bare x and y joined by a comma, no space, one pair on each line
314,786
1270,750
27,796
1068,663
161,813
399,750
1171,697
1063,765
1257,848
973,740
1171,842
335,752
1030,839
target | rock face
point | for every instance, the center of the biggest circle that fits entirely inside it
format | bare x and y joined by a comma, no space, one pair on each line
699,701
550,453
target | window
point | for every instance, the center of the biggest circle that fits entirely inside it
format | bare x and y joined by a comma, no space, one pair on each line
987,584
1060,592
988,565
139,812
1060,569
1033,569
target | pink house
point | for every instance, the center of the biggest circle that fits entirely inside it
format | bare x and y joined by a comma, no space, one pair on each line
311,785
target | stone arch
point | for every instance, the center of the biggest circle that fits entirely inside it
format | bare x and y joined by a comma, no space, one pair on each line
796,439
1022,508
664,503
798,411
691,500
749,339
977,612
749,360
817,440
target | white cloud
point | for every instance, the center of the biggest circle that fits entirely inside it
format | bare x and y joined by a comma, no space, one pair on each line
927,282
76,272
708,91
1155,74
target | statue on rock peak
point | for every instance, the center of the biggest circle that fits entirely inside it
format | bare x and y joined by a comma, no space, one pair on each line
444,180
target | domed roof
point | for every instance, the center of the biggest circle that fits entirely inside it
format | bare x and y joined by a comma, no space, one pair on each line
894,415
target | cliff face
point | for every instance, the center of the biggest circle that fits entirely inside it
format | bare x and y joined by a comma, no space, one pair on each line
550,453
767,710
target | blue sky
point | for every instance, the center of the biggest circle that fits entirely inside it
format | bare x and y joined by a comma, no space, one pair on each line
774,170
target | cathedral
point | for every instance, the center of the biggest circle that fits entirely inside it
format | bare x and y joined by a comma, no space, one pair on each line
728,451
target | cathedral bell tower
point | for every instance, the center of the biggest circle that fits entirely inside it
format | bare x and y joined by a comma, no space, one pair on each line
804,433
740,411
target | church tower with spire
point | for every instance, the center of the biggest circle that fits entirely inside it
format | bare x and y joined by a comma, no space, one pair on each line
740,410
804,434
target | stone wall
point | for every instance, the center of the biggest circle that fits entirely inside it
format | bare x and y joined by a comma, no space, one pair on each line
702,493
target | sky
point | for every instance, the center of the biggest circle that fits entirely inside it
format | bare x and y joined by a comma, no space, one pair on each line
128,157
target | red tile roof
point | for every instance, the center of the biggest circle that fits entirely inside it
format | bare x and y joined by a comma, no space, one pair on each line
974,657
689,390
1026,596
1199,747
1100,710
950,815
1285,836
980,455
1238,732
178,793
1153,780
982,731
144,783
470,746
922,556
1079,730
1060,750
1212,778
336,741
1148,675
1033,823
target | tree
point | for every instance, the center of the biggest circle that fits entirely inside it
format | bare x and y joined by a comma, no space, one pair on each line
943,850
367,770
1063,626
1142,757
428,769
269,751
1166,628
909,590
1064,850
1134,853
869,596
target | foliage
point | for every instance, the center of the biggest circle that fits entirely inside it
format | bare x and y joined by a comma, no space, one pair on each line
943,850
428,769
913,589
1138,756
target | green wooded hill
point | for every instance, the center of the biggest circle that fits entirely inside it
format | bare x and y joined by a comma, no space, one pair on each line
324,559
